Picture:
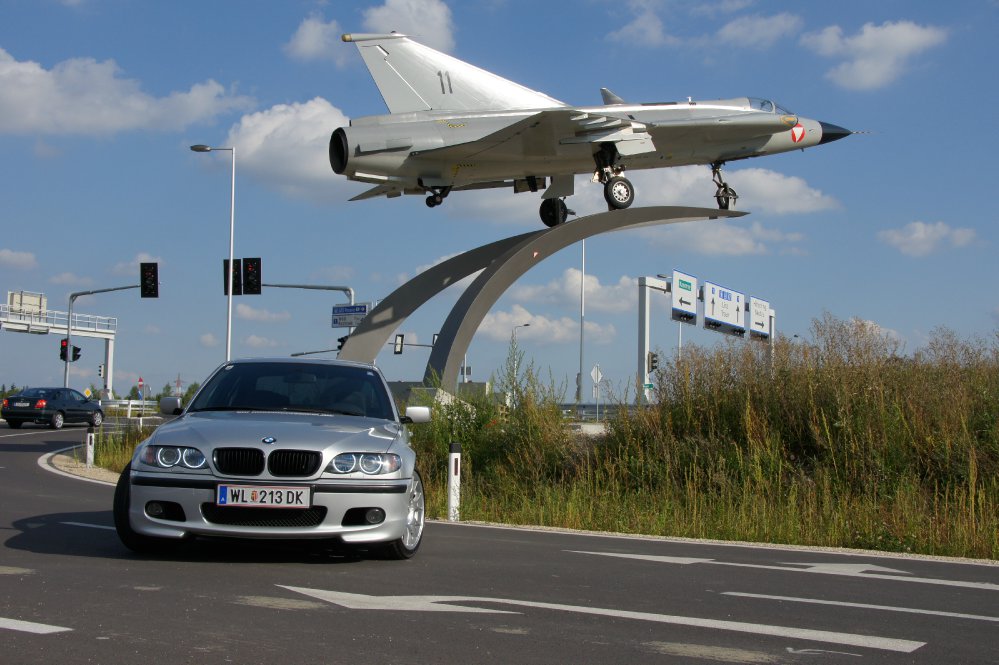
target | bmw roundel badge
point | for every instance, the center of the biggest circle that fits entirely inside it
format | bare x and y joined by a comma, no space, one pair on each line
268,440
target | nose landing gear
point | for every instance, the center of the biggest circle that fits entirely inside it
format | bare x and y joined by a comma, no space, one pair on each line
724,195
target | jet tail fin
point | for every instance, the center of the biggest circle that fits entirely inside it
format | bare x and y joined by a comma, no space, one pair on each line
610,99
413,77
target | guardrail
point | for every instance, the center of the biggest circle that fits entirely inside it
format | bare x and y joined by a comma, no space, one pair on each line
144,407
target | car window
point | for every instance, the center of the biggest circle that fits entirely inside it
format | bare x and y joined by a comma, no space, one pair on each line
294,386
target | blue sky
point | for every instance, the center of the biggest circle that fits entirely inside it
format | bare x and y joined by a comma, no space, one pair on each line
100,100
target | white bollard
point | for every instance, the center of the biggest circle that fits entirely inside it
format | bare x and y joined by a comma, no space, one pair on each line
90,447
453,482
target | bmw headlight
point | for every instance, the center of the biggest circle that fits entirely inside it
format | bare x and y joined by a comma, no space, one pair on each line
167,457
372,464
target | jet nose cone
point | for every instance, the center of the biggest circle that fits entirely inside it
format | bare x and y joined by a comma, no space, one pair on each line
832,132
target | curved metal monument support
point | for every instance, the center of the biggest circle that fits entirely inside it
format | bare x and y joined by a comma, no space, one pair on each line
371,336
464,319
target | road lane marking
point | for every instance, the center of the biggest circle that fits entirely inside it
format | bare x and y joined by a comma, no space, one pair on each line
865,606
432,604
845,570
89,526
30,627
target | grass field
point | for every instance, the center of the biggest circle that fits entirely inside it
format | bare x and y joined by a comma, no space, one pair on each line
841,440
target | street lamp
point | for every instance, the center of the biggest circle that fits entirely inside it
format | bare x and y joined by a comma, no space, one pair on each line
232,235
513,333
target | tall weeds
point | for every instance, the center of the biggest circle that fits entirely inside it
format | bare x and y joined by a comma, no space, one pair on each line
839,440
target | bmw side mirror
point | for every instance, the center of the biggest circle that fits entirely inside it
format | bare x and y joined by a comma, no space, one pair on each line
171,406
416,414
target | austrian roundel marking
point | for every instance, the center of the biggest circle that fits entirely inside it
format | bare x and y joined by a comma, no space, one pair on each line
797,133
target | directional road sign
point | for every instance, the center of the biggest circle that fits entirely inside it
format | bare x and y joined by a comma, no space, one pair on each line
723,309
684,295
759,318
350,316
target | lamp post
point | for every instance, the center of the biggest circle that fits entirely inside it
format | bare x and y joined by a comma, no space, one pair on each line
513,336
232,236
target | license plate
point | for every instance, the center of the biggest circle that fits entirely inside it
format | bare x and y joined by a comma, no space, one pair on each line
257,495
22,403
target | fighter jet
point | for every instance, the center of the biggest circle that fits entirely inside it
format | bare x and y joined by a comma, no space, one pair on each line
454,127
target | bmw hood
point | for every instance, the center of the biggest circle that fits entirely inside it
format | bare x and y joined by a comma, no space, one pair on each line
320,432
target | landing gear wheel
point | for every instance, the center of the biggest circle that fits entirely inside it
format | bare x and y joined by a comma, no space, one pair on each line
434,200
134,541
726,197
553,212
57,420
405,547
619,192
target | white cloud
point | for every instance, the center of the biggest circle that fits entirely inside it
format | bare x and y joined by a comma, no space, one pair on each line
132,267
337,275
83,96
208,340
258,342
429,21
646,29
723,238
498,326
286,146
317,40
920,238
761,191
18,260
248,313
68,278
875,56
759,32
564,292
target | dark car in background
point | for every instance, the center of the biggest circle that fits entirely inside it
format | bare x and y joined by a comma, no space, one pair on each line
51,406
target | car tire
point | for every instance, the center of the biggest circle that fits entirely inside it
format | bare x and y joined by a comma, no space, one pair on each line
96,418
136,542
406,547
57,420
14,424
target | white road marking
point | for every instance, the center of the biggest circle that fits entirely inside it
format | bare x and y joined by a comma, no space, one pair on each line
29,627
865,606
45,461
846,570
432,604
89,526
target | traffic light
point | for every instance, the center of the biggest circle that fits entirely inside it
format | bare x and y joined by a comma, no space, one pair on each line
237,277
76,353
149,280
63,347
340,341
653,361
400,341
251,276
100,371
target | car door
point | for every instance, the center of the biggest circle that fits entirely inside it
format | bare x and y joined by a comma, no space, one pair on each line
73,405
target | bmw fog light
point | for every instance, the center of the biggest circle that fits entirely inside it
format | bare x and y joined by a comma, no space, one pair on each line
374,516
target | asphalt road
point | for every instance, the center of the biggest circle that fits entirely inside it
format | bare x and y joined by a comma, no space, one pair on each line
71,593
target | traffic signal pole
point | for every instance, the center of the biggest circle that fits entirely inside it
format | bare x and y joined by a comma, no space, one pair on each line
69,326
